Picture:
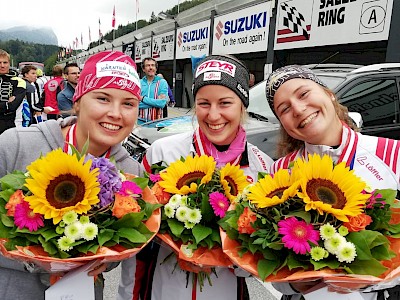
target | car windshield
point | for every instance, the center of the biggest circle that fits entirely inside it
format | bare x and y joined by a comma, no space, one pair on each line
258,103
331,81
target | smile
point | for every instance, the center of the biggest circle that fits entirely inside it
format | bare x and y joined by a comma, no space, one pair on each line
308,120
215,127
110,126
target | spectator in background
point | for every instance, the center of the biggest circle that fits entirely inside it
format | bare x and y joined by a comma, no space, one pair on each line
36,107
154,92
51,90
64,98
12,92
252,80
171,99
41,80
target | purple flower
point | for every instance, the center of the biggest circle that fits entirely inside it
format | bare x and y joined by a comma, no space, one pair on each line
110,182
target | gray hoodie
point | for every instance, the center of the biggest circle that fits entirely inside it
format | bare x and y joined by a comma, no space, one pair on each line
18,148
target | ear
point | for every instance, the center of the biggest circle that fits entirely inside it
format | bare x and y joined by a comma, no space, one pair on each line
76,106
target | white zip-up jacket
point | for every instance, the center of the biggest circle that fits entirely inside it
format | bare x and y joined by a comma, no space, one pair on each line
169,281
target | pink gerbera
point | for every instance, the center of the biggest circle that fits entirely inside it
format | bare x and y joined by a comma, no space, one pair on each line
155,177
219,203
24,217
297,235
129,188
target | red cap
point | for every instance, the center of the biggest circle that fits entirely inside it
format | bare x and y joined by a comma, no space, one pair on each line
108,69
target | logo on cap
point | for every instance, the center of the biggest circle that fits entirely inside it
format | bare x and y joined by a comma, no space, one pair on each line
216,65
117,69
212,76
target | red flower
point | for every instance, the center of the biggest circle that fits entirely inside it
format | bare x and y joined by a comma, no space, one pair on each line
358,222
15,199
245,220
124,205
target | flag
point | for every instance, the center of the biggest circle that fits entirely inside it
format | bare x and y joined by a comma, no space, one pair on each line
81,40
100,34
90,36
137,6
76,42
113,18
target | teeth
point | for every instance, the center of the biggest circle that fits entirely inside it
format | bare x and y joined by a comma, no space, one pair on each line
215,127
308,120
110,126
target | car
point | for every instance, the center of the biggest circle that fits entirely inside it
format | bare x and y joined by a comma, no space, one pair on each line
371,92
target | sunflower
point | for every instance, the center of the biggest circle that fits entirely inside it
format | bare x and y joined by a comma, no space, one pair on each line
232,180
181,177
59,183
273,189
331,189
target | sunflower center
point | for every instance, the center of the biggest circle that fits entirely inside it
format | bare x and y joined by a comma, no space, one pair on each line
233,185
277,192
188,178
65,190
327,192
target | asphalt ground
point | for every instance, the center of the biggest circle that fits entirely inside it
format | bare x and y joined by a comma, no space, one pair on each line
257,289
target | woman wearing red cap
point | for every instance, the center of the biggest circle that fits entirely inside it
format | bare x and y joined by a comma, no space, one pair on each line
106,103
312,121
221,92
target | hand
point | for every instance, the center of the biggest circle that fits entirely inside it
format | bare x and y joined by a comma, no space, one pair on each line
162,96
98,270
48,109
38,113
12,98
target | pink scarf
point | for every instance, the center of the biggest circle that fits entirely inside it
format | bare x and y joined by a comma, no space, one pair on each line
232,155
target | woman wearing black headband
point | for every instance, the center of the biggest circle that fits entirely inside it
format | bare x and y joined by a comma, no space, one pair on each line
221,92
312,121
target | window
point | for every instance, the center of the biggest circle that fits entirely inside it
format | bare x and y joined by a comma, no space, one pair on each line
376,101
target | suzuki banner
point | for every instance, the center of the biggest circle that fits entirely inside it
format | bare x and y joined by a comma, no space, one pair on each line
193,40
309,23
242,31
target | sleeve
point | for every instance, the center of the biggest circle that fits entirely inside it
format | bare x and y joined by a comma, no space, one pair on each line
64,104
19,91
151,102
171,95
163,88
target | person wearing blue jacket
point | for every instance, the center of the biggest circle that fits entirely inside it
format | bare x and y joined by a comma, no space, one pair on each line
154,92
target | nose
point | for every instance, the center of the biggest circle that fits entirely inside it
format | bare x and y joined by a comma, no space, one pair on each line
298,108
214,113
114,111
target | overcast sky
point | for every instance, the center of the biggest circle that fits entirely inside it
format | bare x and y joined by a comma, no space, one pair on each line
70,18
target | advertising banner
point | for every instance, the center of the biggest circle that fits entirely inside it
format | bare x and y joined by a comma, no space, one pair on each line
142,49
128,49
242,31
193,40
309,23
163,46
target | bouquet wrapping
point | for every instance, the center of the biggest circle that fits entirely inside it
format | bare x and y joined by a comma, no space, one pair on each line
68,210
315,221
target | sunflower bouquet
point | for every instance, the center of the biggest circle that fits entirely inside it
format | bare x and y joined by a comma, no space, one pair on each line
315,220
196,195
72,209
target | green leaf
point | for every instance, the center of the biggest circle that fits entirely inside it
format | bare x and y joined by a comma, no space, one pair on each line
200,232
7,221
105,235
132,235
266,267
306,216
176,227
140,181
330,263
367,267
14,180
48,246
130,220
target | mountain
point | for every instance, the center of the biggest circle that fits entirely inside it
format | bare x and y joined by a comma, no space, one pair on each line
44,35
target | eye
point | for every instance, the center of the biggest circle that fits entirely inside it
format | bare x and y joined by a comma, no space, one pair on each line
102,99
131,103
304,93
203,103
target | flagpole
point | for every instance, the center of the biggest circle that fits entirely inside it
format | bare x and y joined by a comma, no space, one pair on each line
137,8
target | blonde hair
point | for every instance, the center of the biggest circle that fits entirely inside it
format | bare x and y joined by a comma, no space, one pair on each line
288,144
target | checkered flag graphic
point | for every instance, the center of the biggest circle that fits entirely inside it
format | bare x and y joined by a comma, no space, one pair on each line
294,20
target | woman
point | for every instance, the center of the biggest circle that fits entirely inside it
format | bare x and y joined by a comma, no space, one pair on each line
220,89
312,121
106,103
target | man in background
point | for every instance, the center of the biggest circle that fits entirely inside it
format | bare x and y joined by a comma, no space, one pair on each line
51,90
12,92
64,98
154,92
252,79
171,100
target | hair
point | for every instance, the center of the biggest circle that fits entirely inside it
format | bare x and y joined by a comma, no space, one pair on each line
67,66
148,58
288,144
26,69
57,71
4,53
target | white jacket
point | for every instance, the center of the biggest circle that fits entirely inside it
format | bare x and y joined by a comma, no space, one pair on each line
376,161
169,283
